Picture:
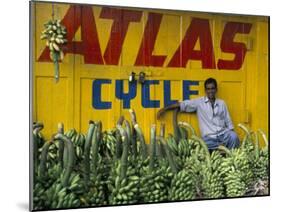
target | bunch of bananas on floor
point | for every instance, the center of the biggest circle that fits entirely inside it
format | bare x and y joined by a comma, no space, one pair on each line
123,180
212,182
236,172
55,34
154,183
182,185
59,196
93,168
57,186
78,139
258,159
117,167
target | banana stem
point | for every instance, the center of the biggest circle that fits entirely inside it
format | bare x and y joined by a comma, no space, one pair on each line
142,141
133,116
247,134
224,149
204,146
71,160
162,130
87,149
263,136
61,144
152,147
95,148
124,158
177,134
56,66
183,133
129,134
134,142
120,120
257,145
43,161
118,151
169,155
38,125
188,127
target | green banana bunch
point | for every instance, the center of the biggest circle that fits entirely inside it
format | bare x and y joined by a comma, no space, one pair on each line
260,159
182,186
55,34
212,182
154,186
58,196
257,159
153,183
123,191
123,182
109,144
235,186
79,141
95,193
236,172
182,183
93,165
38,196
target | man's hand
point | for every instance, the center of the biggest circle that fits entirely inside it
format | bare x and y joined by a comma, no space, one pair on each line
170,107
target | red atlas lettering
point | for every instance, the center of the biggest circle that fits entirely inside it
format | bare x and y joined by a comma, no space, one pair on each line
229,46
198,29
121,18
145,57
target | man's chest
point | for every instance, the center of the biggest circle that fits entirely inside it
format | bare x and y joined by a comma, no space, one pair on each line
209,111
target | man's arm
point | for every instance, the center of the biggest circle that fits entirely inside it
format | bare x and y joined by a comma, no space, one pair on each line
170,107
186,106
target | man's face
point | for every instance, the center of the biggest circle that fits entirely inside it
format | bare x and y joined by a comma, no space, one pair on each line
211,90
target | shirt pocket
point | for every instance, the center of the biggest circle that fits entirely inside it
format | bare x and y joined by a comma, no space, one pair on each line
221,116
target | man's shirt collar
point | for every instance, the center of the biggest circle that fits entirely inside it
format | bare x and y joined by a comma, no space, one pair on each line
206,99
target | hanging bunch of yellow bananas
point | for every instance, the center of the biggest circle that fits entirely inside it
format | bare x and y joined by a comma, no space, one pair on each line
55,34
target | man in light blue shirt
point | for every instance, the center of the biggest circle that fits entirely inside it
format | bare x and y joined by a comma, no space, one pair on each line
214,120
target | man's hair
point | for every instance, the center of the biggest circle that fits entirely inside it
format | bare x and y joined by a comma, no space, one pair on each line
210,81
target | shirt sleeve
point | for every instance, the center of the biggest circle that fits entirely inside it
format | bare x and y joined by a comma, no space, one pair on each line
228,121
189,105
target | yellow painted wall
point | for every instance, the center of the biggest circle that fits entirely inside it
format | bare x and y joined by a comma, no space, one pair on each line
70,100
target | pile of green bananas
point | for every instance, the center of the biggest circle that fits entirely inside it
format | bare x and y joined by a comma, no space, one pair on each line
117,166
55,34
